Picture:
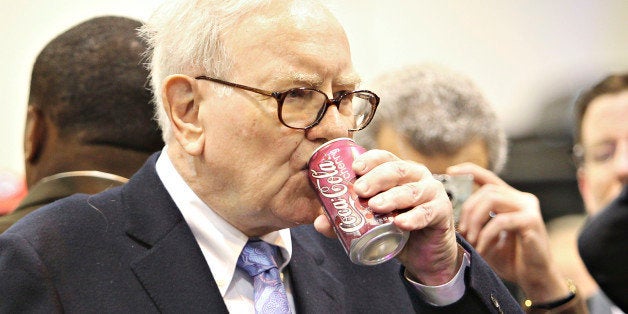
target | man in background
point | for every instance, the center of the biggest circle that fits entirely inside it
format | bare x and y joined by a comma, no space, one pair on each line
440,118
601,152
435,116
601,155
89,124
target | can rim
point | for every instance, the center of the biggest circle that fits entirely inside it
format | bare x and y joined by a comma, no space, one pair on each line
329,142
382,231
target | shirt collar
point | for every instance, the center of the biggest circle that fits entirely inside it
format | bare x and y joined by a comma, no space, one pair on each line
65,184
220,242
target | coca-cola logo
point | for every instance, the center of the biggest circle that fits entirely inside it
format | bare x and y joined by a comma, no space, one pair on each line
330,183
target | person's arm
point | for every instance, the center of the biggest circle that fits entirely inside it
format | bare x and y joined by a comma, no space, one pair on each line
602,246
484,291
506,227
432,256
447,293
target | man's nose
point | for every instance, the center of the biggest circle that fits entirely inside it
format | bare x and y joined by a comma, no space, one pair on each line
332,125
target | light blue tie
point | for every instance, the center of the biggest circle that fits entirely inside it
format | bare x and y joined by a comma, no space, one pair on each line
258,260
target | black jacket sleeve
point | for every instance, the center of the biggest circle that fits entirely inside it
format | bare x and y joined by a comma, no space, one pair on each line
602,246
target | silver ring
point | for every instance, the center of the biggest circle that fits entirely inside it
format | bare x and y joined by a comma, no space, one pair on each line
491,215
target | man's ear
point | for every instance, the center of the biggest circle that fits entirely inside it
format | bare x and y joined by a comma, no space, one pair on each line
34,134
182,106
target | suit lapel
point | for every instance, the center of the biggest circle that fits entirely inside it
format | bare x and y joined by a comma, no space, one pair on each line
176,276
173,271
315,289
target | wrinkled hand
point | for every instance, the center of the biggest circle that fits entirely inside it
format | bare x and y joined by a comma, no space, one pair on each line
515,242
431,255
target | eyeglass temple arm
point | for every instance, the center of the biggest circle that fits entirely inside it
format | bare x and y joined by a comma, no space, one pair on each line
252,89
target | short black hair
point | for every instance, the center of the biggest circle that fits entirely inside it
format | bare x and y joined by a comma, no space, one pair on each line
92,82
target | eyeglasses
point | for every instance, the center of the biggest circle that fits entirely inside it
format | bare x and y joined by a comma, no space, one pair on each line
303,108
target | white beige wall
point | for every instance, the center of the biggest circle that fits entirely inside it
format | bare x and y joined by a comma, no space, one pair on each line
531,57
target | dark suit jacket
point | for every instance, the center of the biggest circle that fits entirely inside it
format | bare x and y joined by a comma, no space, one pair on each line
129,250
602,245
58,186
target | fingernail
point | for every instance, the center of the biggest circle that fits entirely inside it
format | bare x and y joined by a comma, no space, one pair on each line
471,238
359,166
452,169
360,186
378,200
400,219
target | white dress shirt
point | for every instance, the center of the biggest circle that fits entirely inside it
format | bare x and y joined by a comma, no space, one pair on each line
221,244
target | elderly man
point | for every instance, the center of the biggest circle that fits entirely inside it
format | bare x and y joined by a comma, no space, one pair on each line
440,118
242,91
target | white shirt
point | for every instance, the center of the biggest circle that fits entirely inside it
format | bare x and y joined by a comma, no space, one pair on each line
221,244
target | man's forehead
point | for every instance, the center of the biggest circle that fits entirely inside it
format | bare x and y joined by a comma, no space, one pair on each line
294,45
603,116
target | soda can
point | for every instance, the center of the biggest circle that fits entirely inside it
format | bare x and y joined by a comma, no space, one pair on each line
367,237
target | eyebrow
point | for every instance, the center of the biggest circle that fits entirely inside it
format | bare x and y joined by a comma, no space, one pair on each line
350,79
315,80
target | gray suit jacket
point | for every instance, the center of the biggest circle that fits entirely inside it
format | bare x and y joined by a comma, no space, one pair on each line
129,250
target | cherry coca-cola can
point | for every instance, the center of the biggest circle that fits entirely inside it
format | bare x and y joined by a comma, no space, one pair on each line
367,237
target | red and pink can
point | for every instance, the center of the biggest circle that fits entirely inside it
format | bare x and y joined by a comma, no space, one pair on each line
367,237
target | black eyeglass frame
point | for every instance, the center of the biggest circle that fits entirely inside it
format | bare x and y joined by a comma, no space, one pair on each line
280,96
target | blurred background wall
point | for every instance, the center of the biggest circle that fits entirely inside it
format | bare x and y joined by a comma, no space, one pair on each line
531,58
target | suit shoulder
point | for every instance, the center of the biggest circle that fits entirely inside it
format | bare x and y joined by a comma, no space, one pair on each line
73,216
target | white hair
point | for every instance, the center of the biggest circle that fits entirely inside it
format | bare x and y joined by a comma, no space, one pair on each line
187,37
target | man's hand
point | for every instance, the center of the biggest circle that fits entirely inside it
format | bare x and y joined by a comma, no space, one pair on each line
431,255
506,227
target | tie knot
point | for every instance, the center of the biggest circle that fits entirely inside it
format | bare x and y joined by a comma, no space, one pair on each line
257,257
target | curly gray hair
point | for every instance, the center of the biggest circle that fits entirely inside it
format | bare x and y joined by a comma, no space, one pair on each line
438,110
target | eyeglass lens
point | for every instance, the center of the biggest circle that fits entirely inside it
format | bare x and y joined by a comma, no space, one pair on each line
303,107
